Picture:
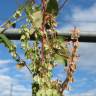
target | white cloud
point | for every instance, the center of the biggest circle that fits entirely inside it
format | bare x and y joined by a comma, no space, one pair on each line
26,73
85,15
5,66
79,14
5,62
91,92
6,81
18,89
87,57
4,70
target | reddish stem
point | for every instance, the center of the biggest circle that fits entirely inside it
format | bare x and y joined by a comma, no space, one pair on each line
43,28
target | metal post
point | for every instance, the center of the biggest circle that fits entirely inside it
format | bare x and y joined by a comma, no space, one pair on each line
13,34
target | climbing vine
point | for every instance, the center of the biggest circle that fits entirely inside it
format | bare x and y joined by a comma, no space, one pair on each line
46,49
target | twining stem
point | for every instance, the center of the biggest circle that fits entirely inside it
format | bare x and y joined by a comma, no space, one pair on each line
43,28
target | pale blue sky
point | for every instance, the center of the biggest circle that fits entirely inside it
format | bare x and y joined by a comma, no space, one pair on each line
85,75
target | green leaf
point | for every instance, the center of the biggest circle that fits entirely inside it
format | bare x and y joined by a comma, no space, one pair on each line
11,47
66,63
0,40
7,42
52,7
59,59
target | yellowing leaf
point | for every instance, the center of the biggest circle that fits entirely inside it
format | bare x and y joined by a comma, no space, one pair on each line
71,79
20,65
37,18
